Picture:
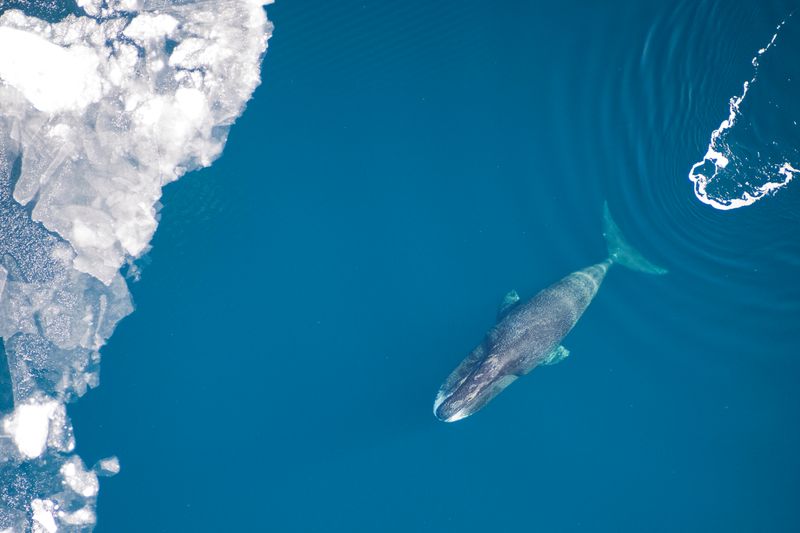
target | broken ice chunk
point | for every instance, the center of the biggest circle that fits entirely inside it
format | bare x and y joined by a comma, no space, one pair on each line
80,480
107,467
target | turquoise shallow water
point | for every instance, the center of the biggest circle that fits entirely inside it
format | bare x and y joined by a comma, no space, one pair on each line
401,168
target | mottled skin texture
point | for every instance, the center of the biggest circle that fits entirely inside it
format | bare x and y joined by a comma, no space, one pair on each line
523,339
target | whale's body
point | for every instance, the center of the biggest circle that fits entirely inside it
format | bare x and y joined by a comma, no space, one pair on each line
530,334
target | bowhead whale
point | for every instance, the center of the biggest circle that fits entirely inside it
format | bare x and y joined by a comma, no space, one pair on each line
529,334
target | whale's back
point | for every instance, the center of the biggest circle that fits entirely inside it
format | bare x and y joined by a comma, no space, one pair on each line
529,333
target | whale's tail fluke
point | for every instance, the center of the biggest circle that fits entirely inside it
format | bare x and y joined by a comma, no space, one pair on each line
621,252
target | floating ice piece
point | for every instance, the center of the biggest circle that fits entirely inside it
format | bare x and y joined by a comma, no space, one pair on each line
31,425
148,27
107,467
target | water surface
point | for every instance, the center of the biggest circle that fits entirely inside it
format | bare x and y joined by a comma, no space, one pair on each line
403,166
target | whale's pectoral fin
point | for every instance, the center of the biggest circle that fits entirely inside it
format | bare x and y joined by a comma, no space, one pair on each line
556,356
619,251
509,302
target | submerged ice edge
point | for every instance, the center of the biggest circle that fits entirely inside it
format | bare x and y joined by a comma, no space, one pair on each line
98,112
715,157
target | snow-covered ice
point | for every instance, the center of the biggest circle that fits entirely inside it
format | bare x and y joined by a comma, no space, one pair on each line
98,111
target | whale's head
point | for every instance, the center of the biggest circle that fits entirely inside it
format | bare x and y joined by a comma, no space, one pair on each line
450,409
472,393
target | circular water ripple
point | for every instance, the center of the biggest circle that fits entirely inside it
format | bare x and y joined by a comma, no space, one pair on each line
646,120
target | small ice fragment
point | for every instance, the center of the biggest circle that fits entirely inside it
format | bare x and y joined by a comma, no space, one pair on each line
78,479
107,467
43,516
81,517
53,78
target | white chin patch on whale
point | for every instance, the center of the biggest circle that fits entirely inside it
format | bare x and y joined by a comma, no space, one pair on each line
459,415
440,398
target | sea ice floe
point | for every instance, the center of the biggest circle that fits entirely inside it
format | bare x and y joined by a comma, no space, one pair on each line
98,111
44,519
107,467
82,481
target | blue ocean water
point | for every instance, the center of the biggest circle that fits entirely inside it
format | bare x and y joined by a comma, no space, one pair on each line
402,167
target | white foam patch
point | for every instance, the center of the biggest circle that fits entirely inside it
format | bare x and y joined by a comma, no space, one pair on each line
741,189
108,113
82,517
108,466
